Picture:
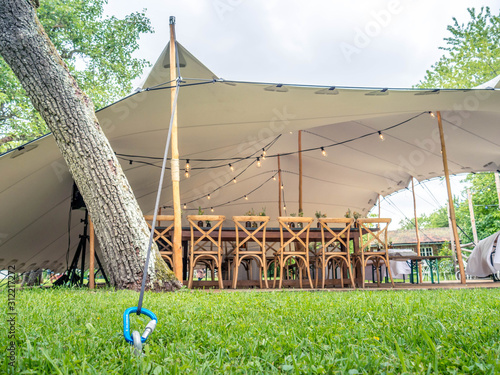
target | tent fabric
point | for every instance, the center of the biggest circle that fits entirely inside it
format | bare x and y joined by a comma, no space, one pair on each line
229,122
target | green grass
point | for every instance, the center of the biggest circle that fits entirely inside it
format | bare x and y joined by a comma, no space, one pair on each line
70,331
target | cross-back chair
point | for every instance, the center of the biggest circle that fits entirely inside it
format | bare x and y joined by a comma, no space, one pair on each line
161,236
243,252
373,246
200,237
296,247
335,247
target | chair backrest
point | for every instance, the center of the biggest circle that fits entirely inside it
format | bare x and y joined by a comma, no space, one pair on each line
374,235
160,235
206,233
240,224
298,235
337,236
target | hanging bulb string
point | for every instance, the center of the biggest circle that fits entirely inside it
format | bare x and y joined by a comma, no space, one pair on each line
230,201
238,159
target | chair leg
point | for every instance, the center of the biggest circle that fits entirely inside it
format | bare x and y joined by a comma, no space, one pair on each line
191,275
264,269
389,268
349,268
308,276
236,265
362,272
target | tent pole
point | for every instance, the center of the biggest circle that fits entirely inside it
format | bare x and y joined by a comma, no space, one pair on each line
300,173
452,241
177,242
450,200
379,206
416,228
497,183
279,185
472,217
91,254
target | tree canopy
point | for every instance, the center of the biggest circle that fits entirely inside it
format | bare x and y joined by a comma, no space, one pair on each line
472,53
98,51
472,57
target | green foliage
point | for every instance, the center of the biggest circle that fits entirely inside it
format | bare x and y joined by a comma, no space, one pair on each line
98,51
472,53
77,331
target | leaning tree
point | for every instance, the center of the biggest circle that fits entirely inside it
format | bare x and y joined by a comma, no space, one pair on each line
69,113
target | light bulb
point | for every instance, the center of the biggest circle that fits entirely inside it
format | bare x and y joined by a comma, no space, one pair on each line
212,209
284,208
274,178
234,180
323,152
186,173
380,135
282,187
208,196
231,167
185,206
432,114
264,154
259,164
188,167
246,197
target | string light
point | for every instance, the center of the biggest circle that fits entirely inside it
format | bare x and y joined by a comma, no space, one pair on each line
246,197
186,173
264,154
284,208
211,209
381,136
130,162
323,152
188,167
231,168
259,164
234,180
208,196
274,178
185,205
432,114
282,187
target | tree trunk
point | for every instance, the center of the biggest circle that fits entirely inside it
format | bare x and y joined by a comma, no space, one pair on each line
69,113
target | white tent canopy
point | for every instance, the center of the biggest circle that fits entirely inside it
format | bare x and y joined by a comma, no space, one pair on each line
229,122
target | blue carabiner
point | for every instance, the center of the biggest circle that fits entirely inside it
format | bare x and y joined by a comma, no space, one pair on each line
126,324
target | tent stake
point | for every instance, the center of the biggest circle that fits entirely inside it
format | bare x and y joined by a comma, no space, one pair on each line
416,229
450,200
279,185
300,173
177,242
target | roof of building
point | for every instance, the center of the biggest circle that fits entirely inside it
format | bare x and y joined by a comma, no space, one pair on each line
428,235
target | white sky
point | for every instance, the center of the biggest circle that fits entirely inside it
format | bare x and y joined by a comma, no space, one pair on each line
360,43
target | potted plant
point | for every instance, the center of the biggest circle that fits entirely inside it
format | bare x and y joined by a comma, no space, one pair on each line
200,212
262,213
319,215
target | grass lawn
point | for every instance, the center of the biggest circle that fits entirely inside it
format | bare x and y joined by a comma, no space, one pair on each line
70,331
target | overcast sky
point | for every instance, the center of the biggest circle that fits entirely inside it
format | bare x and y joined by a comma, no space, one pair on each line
365,43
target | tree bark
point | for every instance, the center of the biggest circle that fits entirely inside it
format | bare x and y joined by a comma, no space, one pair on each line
120,226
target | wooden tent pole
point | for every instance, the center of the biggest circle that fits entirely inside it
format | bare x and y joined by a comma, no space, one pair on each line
279,185
472,217
379,206
177,241
416,228
497,183
452,241
450,200
91,254
300,173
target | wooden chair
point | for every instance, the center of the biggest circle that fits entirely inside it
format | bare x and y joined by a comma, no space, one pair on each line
198,252
161,237
243,252
299,252
335,247
373,246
